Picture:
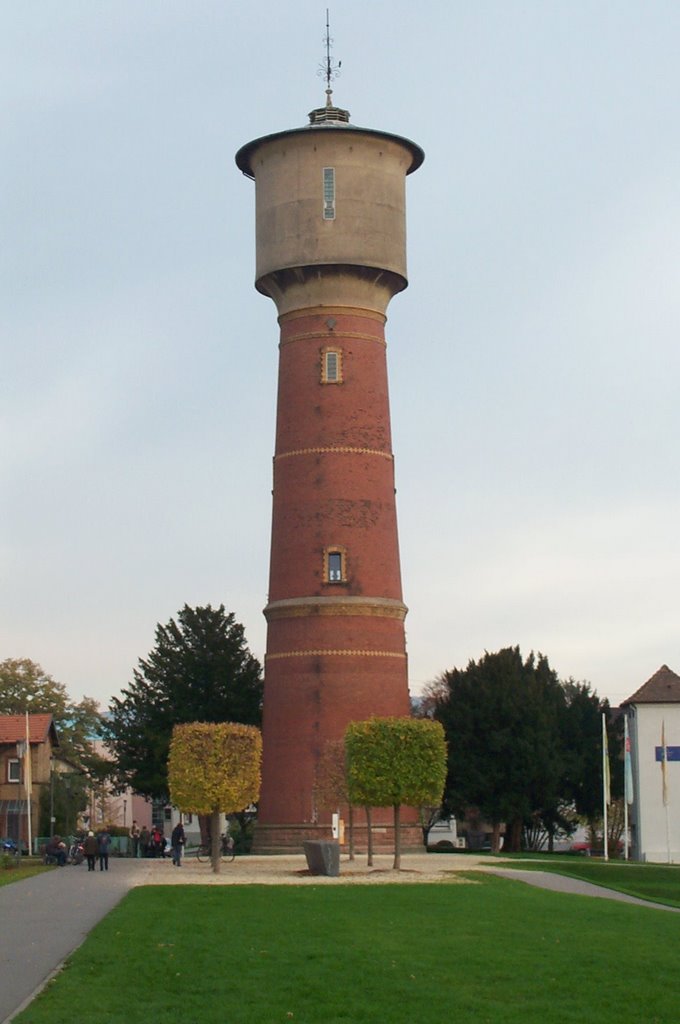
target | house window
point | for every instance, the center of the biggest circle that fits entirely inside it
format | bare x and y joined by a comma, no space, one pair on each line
335,565
331,366
329,193
14,769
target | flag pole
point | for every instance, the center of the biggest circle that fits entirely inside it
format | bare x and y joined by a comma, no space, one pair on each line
29,785
605,787
626,795
664,787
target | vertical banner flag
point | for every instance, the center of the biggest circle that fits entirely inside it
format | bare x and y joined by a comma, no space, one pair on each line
606,777
627,763
664,755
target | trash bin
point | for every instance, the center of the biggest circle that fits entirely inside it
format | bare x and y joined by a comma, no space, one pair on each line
323,856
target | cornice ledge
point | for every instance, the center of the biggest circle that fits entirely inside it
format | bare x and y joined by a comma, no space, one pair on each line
302,607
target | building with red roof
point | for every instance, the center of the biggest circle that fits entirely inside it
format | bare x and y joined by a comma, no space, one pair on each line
27,743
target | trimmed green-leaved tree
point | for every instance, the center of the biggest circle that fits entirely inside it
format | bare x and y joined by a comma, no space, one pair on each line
395,761
213,768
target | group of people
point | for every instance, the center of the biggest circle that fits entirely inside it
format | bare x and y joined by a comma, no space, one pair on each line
92,846
97,846
146,842
152,843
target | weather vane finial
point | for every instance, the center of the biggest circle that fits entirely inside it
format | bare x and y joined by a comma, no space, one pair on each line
328,69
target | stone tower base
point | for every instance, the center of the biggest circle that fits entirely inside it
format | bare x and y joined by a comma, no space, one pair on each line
289,838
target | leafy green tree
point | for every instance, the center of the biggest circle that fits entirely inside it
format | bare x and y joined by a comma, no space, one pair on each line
200,670
213,768
501,717
582,740
67,797
395,761
25,686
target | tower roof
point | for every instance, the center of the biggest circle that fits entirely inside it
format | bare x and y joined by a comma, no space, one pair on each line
662,688
326,119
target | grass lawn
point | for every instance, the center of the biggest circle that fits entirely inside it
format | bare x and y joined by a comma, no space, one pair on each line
15,874
657,882
494,951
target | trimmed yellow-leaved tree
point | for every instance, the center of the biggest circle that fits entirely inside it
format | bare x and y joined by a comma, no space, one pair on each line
395,761
213,768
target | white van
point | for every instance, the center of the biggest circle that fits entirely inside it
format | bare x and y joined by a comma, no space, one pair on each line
444,836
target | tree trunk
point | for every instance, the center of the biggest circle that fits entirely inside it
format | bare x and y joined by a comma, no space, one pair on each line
397,837
215,842
515,844
495,837
204,826
369,836
350,826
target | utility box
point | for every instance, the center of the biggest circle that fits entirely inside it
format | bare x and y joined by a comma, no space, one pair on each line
323,856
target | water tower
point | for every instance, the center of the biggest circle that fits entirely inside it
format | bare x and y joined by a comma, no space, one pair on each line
331,253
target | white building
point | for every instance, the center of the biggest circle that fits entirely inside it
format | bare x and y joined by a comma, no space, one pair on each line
654,728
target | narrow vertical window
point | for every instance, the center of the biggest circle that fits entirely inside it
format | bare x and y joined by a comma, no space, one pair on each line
13,770
331,366
329,193
335,566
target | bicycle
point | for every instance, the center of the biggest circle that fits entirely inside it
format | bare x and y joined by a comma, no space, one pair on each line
227,848
9,848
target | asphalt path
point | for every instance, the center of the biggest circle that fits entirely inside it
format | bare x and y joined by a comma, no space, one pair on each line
44,918
574,886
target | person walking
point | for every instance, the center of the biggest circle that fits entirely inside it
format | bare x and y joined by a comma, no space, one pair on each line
177,841
103,844
90,849
144,839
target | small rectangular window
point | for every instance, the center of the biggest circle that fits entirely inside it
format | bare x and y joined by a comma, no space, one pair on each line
331,366
329,193
14,770
334,567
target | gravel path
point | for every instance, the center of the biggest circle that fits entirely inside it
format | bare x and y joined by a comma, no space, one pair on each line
291,869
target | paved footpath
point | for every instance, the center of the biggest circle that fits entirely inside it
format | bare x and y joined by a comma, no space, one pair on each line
43,919
574,886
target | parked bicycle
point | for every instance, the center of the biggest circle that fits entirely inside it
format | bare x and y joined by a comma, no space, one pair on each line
227,849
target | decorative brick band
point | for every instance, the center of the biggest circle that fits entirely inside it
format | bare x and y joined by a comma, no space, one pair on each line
340,652
304,607
326,311
339,449
326,335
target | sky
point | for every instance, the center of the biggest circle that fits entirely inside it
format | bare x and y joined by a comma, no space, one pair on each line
533,360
